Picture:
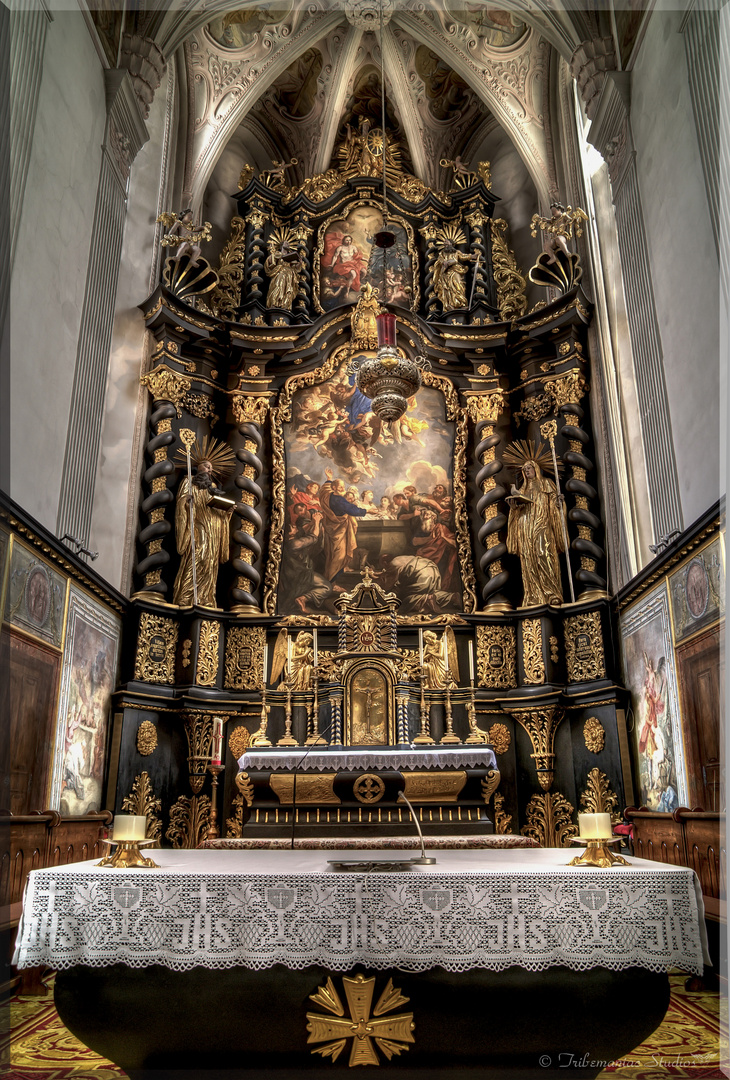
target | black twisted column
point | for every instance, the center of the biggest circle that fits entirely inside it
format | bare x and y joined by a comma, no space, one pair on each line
567,392
479,247
167,389
303,299
429,232
484,410
250,415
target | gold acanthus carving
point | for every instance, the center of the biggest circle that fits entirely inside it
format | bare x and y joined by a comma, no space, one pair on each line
234,824
199,733
278,504
502,820
433,787
245,787
239,741
500,738
497,657
156,645
511,284
245,658
532,658
594,735
566,389
189,821
249,409
487,407
490,783
541,724
166,385
206,668
549,820
146,738
226,297
584,656
598,797
461,516
312,789
141,801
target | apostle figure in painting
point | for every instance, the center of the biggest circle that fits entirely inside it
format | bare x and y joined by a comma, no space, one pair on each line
448,276
436,541
535,529
340,525
301,584
212,526
284,267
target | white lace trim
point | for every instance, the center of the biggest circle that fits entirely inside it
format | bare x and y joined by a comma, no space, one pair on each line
335,760
458,920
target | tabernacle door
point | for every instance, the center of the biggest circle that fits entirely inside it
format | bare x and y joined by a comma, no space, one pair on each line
369,704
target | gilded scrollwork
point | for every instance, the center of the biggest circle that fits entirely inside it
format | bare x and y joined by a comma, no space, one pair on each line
549,820
226,297
461,516
156,645
244,785
166,385
502,820
584,655
497,657
511,284
245,658
206,668
189,821
141,801
146,738
541,723
594,735
598,798
488,407
239,741
199,733
566,389
278,504
532,658
500,738
234,824
490,783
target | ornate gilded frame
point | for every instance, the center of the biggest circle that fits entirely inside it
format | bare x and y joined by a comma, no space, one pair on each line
282,413
353,668
342,214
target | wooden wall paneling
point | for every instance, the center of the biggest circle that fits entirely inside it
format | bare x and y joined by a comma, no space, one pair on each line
657,836
31,703
701,674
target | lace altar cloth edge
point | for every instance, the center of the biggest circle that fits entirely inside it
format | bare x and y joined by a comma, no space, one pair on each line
455,920
349,760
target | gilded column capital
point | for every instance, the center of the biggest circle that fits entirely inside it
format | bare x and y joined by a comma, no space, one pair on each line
166,385
567,389
487,406
249,409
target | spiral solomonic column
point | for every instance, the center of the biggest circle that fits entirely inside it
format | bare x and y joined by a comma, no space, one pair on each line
567,392
250,415
255,280
484,410
479,247
167,389
429,232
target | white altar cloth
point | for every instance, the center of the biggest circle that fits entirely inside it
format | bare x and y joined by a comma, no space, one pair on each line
437,757
491,910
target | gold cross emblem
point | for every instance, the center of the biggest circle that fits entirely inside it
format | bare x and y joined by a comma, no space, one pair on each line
391,1033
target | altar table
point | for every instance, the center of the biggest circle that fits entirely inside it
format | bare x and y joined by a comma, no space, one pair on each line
507,957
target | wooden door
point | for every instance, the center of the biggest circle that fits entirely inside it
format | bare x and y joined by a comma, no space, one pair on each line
701,670
30,698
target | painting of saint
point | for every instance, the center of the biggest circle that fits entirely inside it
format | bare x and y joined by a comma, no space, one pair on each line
349,260
363,493
240,29
650,676
89,675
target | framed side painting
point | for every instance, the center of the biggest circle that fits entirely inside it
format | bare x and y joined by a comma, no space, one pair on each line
346,259
89,672
650,675
697,591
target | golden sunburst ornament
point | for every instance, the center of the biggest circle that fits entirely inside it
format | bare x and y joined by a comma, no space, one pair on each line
213,450
451,234
391,1033
519,452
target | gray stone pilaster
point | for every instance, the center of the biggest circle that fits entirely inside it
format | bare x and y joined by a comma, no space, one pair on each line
610,133
124,135
701,44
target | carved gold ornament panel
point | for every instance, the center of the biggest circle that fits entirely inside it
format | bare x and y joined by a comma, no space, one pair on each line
500,738
532,658
497,657
594,735
245,658
146,738
156,645
584,648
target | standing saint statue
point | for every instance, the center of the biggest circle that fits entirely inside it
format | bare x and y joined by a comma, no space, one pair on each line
284,267
202,524
535,525
449,272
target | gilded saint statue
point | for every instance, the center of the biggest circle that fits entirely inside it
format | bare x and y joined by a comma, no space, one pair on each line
449,271
440,664
284,266
535,525
294,660
202,525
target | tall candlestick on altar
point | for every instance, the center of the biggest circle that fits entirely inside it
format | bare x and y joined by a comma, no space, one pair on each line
266,662
288,658
420,645
471,662
314,639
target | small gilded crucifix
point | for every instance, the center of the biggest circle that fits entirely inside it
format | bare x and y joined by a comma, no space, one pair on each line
391,1033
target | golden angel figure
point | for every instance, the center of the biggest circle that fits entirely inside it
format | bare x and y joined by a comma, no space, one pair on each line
440,665
563,222
534,528
182,231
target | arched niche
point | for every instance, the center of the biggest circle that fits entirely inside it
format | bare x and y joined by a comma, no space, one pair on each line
369,703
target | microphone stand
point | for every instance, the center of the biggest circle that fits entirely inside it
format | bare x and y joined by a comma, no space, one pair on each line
315,740
424,860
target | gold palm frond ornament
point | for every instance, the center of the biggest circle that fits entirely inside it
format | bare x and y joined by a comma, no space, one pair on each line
213,450
523,450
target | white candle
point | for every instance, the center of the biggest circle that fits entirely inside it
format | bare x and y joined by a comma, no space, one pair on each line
217,740
315,646
471,661
129,827
266,662
420,645
595,826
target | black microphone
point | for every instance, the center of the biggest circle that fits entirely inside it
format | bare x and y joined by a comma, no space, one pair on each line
320,735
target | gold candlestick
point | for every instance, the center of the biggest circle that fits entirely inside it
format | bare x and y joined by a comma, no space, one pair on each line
597,854
424,735
314,736
127,856
476,735
287,739
213,830
449,736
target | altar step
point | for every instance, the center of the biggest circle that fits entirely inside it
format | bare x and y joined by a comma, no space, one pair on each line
386,820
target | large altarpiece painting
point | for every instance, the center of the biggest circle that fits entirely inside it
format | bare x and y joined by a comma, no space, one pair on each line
362,493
